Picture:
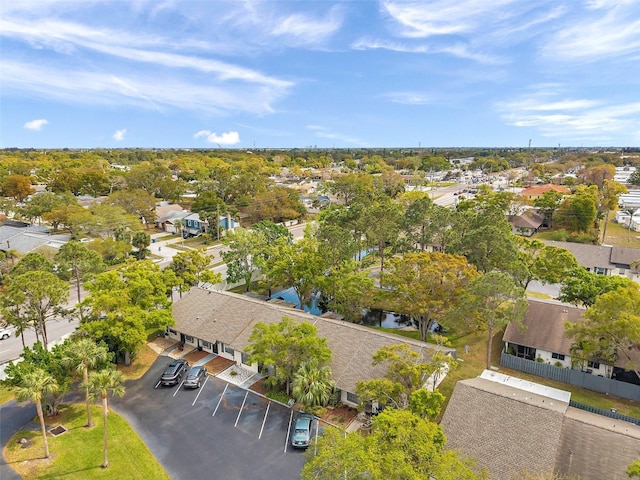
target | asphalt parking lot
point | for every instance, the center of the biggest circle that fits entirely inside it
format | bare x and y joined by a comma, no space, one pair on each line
217,431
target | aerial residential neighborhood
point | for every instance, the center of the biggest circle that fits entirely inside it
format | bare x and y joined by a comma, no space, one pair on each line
273,240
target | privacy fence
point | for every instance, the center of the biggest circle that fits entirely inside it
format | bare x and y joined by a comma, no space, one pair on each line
572,377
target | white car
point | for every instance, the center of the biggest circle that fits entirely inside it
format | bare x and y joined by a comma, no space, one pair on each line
4,333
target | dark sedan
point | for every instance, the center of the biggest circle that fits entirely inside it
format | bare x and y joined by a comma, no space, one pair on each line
195,377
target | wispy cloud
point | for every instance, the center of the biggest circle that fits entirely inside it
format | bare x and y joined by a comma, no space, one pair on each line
609,29
409,98
118,136
36,124
572,119
227,138
324,132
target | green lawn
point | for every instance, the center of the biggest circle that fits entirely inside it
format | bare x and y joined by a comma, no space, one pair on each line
78,453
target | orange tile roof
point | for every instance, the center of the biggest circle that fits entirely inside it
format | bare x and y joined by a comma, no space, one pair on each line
540,189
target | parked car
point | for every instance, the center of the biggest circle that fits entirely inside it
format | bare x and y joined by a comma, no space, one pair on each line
174,372
4,333
302,431
195,377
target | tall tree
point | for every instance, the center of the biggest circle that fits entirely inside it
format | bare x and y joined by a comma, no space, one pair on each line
547,204
243,245
285,346
135,202
101,383
347,290
383,219
542,262
296,264
610,328
17,186
80,262
490,303
35,385
30,262
140,241
32,299
83,355
425,285
192,267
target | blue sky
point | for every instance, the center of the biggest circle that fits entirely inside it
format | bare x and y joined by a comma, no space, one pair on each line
276,74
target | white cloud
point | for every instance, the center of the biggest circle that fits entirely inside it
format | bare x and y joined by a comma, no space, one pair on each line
36,124
572,119
323,132
227,138
119,135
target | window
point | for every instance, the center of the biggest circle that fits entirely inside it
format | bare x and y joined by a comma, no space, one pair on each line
172,332
188,338
244,358
352,397
621,271
229,350
600,270
595,365
557,356
205,344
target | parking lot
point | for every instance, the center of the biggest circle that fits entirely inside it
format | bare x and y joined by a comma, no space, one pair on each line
217,431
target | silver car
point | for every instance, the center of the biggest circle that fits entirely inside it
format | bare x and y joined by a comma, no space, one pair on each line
195,377
4,333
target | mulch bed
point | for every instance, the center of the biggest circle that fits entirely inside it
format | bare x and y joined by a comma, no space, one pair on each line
196,355
259,387
219,364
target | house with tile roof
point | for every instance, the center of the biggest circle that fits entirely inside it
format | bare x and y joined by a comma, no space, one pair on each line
536,191
221,322
515,428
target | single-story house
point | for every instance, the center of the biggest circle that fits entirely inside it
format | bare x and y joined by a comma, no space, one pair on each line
24,238
536,191
193,225
542,338
515,428
221,323
527,223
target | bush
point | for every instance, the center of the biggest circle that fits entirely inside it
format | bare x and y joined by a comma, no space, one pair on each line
278,396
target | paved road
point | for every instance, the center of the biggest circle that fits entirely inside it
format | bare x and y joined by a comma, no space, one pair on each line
13,417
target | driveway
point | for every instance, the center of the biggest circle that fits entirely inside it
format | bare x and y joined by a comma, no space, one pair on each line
217,431
13,417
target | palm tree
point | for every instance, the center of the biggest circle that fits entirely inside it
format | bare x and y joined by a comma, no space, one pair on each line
101,383
34,386
179,225
85,354
312,385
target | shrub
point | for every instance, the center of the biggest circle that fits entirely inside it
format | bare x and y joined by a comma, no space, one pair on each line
278,396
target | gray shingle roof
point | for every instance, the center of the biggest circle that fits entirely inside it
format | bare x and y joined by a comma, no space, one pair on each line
624,255
588,256
510,431
504,429
543,327
230,318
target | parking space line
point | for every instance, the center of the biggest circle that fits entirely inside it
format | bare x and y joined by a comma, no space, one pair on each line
315,444
200,391
241,407
264,420
178,388
157,384
220,400
286,440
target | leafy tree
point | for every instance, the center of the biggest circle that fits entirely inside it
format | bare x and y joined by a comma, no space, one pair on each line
286,345
581,287
609,193
49,361
347,290
312,385
272,231
633,470
578,212
140,241
352,187
542,262
135,202
30,262
401,445
490,303
79,261
62,215
32,299
82,355
124,303
191,268
34,386
112,251
335,243
38,205
407,372
296,264
100,384
17,186
278,204
425,285
243,246
547,204
610,328
383,226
